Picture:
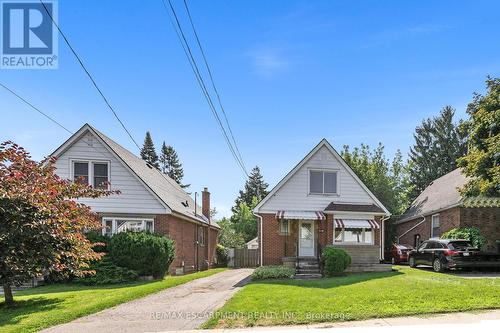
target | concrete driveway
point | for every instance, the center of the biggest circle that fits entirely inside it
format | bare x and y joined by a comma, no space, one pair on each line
184,307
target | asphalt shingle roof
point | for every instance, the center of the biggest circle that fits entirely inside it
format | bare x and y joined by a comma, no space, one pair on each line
163,186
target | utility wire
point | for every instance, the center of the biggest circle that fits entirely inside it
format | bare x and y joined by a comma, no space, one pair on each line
88,74
212,81
35,108
187,50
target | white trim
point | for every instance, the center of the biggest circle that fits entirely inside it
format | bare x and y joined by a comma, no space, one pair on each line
90,174
337,182
87,128
432,224
313,226
323,143
114,227
354,243
260,237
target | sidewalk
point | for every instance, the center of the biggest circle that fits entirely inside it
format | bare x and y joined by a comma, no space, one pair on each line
478,321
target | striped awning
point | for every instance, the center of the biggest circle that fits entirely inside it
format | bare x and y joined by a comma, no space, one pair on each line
356,223
300,215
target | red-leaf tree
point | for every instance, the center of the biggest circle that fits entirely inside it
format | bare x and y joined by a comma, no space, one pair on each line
41,225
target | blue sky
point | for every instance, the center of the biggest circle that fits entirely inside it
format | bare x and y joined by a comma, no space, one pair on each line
289,72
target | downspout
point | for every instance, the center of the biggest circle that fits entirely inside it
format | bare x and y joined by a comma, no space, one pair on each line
195,234
416,225
260,237
382,235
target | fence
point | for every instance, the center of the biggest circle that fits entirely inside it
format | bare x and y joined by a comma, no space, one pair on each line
240,258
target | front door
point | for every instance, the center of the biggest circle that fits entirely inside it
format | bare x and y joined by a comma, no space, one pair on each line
306,239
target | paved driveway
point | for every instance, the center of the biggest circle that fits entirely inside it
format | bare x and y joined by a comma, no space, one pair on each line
179,308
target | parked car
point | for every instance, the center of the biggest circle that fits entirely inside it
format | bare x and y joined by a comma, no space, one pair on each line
444,254
398,253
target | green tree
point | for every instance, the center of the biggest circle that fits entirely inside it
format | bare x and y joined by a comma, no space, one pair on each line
148,151
228,237
170,165
41,226
439,141
244,222
255,187
482,162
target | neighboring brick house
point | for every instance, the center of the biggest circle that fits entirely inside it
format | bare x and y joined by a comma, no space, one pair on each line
440,208
149,200
320,202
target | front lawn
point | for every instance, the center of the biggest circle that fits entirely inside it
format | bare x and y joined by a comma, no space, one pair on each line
47,306
405,291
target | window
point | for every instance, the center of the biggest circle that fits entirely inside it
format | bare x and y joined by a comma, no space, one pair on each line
81,172
284,227
353,235
100,175
111,226
95,174
201,235
322,182
435,232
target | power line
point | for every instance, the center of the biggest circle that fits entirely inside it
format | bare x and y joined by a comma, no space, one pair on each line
187,51
88,74
35,108
212,81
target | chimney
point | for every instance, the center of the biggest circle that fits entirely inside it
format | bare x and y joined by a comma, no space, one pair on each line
205,203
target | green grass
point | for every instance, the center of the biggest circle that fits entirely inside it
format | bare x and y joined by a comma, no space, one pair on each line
47,306
402,292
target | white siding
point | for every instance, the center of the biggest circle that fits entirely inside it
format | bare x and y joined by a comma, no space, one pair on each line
294,194
134,198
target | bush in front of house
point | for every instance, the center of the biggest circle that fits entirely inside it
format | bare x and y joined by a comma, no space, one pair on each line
335,261
222,255
100,241
106,272
272,272
144,252
470,233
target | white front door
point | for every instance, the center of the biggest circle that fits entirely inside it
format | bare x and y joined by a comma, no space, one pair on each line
306,238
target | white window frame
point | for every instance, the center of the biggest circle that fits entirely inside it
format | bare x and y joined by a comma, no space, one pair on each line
364,230
283,222
114,224
337,175
432,224
90,170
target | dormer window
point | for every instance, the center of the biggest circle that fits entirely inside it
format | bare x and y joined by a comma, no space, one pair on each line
92,173
323,182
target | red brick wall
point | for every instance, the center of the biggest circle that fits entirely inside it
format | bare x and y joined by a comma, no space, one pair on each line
487,220
184,233
448,219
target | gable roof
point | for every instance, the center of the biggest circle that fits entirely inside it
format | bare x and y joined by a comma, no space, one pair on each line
166,190
441,194
321,144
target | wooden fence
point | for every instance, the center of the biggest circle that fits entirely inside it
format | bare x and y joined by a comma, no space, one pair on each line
245,258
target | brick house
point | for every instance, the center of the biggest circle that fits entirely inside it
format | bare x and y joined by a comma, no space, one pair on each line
321,202
149,200
440,208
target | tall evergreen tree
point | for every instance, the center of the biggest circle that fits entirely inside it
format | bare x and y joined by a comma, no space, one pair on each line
438,143
170,165
482,162
148,152
255,186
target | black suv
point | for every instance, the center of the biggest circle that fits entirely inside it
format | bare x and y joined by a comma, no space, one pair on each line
443,254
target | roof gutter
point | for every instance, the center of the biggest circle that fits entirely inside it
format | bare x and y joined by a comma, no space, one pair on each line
458,204
406,232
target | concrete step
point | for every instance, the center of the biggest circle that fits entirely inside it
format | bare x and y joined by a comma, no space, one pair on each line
309,276
307,271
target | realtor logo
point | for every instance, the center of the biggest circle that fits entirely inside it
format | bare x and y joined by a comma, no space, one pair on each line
29,38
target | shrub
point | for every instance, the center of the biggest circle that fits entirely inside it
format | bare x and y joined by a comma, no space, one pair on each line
101,242
221,253
106,272
272,272
470,233
335,261
144,252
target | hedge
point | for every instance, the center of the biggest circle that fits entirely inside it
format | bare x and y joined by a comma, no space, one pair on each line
273,272
335,261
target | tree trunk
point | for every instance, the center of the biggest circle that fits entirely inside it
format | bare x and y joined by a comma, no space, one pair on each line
7,291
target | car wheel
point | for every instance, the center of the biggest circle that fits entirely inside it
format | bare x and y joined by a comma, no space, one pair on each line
411,262
437,265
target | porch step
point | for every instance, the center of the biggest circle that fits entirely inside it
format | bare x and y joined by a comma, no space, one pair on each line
308,276
368,267
307,271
